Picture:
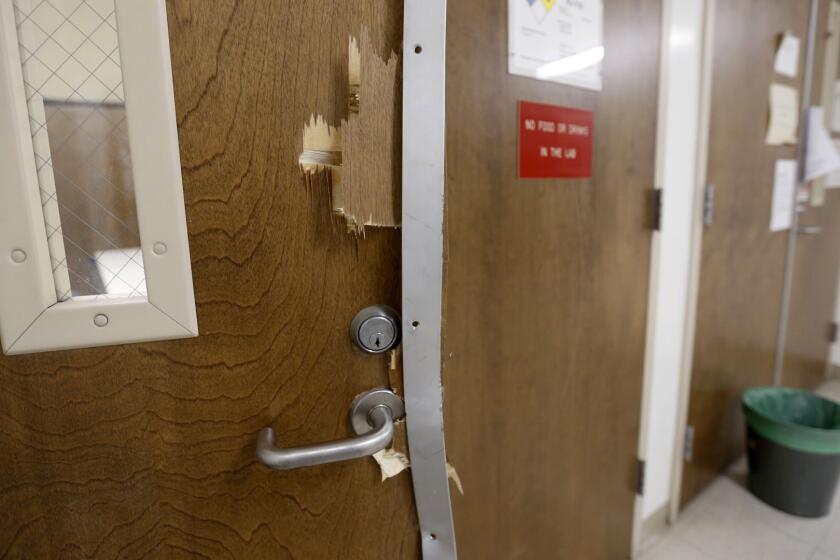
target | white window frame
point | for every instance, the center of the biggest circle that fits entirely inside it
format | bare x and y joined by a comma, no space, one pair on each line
31,318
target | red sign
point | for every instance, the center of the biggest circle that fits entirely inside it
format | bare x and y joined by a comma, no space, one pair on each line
554,142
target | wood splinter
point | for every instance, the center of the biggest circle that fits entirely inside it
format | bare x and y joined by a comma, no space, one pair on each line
359,161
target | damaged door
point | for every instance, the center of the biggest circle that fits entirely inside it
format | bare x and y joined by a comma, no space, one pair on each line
148,451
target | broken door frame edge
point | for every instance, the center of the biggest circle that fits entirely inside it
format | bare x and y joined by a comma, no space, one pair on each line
424,143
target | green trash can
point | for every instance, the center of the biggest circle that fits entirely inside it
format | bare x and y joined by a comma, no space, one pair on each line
793,449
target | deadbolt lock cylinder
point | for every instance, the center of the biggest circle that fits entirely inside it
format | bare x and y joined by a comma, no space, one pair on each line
376,329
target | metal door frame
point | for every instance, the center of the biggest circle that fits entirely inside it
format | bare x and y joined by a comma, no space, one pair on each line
424,148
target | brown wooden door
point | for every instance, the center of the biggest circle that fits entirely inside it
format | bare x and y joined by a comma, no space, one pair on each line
147,451
742,262
546,296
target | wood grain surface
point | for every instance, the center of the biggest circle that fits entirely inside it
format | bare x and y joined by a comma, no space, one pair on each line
742,262
147,451
546,297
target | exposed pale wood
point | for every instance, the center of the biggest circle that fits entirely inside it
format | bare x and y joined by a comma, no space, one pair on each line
321,144
370,185
359,162
147,451
320,167
546,297
742,262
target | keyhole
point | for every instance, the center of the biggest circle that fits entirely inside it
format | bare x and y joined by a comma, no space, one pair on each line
375,329
376,341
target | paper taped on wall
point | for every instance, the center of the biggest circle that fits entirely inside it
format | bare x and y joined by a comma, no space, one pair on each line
822,157
787,56
784,184
784,115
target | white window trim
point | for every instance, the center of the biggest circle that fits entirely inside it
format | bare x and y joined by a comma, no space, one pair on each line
31,318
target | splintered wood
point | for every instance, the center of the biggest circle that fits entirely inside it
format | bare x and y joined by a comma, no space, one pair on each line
395,459
369,193
357,165
320,165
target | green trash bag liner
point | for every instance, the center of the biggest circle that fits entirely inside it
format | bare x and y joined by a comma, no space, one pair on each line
797,419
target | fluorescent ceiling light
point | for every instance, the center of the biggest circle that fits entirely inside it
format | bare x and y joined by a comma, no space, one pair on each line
570,64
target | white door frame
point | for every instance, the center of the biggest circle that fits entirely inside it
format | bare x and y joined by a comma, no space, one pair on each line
697,226
655,258
640,527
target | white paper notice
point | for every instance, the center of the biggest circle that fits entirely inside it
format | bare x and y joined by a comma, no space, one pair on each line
832,180
822,157
784,115
784,183
557,40
787,57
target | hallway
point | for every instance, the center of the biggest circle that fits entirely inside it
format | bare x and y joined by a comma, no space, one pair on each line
726,522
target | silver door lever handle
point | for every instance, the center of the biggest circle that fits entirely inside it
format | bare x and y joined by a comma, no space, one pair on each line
372,416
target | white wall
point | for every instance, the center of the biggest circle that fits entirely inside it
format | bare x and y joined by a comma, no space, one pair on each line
677,157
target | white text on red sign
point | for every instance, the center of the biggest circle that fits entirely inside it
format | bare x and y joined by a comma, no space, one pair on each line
558,128
558,153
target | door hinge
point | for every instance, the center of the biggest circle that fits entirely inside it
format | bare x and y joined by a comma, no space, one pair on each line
641,467
832,332
658,195
688,444
709,205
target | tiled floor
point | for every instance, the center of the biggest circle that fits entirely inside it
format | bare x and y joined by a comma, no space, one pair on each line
726,522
